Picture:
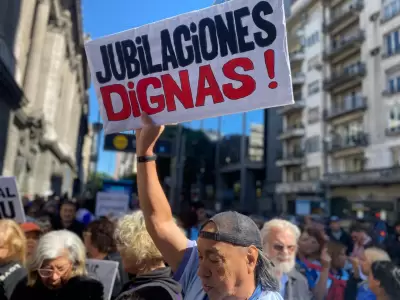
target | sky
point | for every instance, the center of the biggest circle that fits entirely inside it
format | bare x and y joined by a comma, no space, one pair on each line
101,18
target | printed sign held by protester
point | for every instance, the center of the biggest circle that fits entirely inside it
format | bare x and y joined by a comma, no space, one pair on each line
111,204
225,59
104,271
10,203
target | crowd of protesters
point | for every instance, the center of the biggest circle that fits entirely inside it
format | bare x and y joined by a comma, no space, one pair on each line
194,256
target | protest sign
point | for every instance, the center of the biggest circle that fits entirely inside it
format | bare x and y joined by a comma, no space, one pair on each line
111,204
104,271
225,59
10,203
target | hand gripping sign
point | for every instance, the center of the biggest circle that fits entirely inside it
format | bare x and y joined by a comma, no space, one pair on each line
225,59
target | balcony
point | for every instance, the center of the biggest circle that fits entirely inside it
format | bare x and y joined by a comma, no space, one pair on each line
296,106
345,46
296,57
298,79
292,131
392,131
296,157
366,177
352,74
344,17
352,105
344,142
298,187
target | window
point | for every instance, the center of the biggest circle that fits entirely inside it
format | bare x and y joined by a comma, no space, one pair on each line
391,8
392,43
313,62
313,144
395,156
348,102
313,115
313,87
294,174
312,39
312,174
394,117
354,164
394,84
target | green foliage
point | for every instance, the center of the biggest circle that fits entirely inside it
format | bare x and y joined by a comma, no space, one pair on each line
96,180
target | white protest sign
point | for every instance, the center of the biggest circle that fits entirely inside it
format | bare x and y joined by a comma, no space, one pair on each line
104,271
111,204
225,59
10,203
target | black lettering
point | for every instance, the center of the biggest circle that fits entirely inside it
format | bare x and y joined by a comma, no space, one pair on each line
7,213
142,58
106,63
118,74
180,34
243,31
149,58
167,51
196,43
269,28
226,34
205,25
131,63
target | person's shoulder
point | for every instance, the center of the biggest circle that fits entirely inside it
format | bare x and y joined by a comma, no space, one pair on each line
296,275
270,296
85,281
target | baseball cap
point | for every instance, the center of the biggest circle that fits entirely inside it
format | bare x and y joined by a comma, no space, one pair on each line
233,228
30,227
334,219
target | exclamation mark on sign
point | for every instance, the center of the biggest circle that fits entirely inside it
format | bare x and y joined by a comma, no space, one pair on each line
269,57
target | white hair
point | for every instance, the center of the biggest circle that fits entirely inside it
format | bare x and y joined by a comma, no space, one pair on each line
279,224
55,244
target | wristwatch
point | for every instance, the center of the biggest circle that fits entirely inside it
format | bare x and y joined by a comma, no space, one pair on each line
144,159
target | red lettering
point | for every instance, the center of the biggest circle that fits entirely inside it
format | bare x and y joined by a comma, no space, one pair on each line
133,99
119,89
172,90
206,76
248,83
141,90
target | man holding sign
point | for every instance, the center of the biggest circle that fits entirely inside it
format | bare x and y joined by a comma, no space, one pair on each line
225,59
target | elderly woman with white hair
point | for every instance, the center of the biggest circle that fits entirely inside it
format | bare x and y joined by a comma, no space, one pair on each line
140,257
57,270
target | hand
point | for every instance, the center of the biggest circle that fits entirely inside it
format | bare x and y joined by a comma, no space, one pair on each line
147,136
325,259
355,262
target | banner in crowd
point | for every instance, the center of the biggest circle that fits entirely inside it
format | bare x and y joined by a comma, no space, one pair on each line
111,204
104,271
10,203
225,59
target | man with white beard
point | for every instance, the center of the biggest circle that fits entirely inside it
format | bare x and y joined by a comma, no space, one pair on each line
280,245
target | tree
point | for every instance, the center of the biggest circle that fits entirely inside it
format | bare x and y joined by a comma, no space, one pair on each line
96,180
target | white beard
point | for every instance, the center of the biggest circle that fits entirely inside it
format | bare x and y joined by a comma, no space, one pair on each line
284,267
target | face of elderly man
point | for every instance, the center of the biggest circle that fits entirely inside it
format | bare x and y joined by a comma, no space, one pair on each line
280,246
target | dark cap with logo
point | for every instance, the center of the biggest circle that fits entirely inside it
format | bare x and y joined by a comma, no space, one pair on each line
233,228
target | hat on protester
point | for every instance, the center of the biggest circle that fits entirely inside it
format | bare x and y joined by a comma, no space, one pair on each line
30,227
334,219
233,228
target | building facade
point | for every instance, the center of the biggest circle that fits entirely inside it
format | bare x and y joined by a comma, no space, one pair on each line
43,99
126,165
341,137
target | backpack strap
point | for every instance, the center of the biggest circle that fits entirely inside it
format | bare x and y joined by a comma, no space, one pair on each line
319,269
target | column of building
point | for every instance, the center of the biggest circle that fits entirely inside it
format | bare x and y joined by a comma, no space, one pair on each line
36,51
23,38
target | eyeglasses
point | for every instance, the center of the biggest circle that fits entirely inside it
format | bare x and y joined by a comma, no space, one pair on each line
46,273
281,248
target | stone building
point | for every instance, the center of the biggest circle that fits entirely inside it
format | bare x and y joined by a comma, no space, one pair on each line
43,93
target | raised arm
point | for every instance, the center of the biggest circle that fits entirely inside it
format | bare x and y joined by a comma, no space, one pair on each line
166,234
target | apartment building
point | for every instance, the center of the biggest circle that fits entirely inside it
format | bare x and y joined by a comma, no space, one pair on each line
341,137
